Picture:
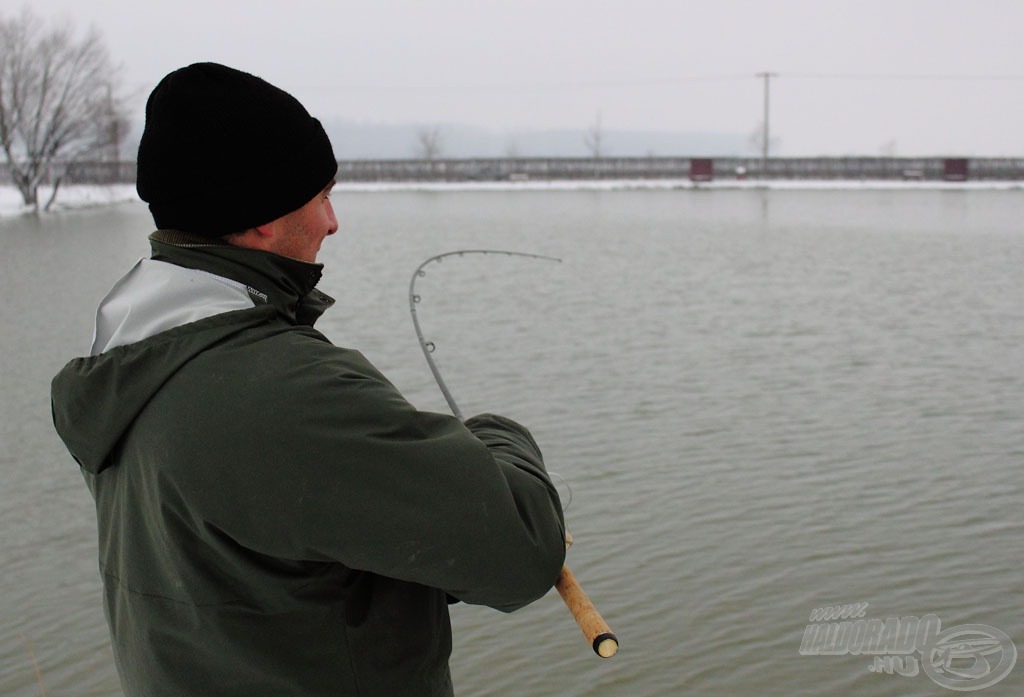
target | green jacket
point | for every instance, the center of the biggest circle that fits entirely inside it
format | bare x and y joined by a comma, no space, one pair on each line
274,517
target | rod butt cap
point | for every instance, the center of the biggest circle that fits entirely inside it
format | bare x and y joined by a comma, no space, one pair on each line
606,645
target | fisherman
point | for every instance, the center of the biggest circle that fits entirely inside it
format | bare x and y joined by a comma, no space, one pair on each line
274,517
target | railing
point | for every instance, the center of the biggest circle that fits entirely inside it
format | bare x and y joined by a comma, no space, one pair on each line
567,168
560,168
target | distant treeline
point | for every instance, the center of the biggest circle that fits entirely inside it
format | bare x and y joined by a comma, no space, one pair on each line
560,168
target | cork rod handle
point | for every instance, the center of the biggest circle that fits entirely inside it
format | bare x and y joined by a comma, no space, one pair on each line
594,628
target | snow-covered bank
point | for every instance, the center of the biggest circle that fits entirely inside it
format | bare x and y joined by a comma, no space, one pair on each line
70,196
75,196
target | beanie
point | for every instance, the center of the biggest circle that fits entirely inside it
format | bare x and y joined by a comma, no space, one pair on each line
224,151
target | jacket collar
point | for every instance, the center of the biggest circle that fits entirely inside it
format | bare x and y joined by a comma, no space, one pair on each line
285,283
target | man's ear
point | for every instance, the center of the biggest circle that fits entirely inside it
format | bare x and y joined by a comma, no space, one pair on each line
259,237
265,231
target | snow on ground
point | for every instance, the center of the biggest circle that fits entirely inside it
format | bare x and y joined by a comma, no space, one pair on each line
70,196
74,196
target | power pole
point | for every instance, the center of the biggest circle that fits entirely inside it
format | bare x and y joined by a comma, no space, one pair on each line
764,144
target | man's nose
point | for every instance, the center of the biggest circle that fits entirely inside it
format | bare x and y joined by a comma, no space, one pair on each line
332,218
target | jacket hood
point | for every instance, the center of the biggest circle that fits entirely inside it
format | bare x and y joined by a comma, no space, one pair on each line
95,399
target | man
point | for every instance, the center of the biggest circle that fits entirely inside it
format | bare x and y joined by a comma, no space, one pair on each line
274,518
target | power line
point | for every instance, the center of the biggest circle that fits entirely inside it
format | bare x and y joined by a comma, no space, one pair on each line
654,82
517,86
902,76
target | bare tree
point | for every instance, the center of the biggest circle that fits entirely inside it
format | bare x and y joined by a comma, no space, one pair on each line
756,140
58,103
512,148
888,148
595,138
429,143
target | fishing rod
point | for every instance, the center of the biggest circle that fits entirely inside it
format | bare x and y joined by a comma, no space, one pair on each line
594,628
414,299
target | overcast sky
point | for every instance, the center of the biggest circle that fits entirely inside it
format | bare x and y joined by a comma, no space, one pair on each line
905,77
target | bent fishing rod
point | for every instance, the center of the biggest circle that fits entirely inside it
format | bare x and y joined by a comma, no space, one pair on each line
591,623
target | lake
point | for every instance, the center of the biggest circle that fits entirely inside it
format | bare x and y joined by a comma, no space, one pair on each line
765,402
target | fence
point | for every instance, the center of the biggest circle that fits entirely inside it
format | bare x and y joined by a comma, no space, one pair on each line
856,168
566,168
84,173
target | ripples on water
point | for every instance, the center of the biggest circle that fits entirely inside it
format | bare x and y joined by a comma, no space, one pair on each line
765,402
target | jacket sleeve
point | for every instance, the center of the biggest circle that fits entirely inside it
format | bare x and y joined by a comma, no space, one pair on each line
333,464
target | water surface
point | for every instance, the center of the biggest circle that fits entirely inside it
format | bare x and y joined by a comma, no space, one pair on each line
764,401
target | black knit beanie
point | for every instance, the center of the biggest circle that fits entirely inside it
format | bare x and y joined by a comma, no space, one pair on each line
224,151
